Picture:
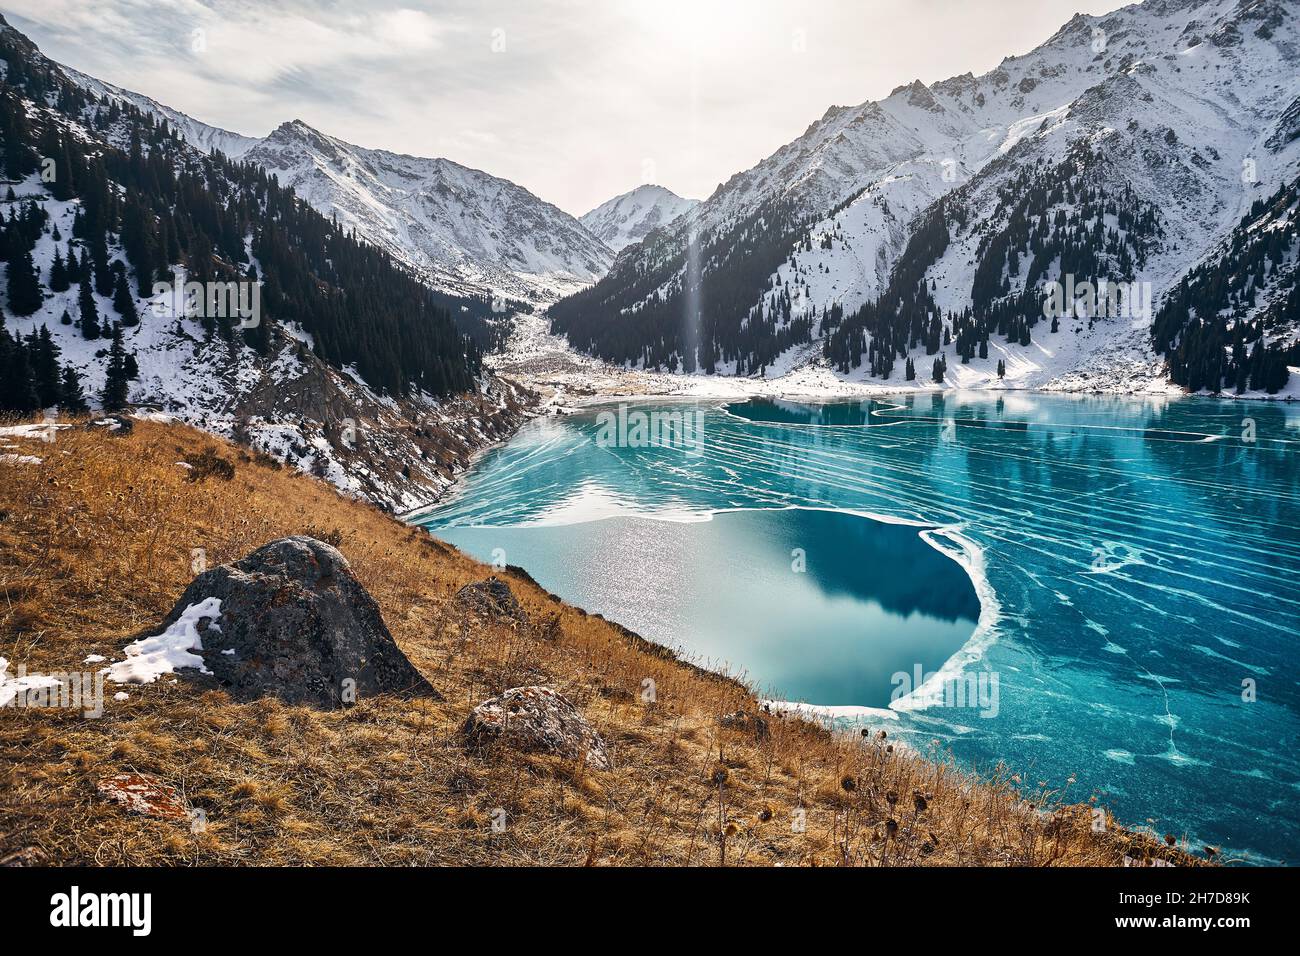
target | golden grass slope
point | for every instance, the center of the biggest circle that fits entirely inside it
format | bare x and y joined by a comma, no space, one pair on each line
96,544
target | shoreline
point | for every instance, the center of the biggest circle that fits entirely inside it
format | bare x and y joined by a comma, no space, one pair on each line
546,363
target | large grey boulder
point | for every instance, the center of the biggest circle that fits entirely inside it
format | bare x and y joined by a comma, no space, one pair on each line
536,720
296,624
490,600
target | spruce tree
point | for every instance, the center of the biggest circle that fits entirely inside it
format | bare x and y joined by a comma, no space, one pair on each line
124,301
89,311
72,399
99,258
58,273
114,395
43,356
24,285
17,387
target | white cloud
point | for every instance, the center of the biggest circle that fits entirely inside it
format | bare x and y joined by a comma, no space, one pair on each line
577,94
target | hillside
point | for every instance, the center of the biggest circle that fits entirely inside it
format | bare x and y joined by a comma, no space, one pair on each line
343,363
85,569
928,224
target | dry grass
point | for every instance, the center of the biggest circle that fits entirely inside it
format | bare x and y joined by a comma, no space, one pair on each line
95,547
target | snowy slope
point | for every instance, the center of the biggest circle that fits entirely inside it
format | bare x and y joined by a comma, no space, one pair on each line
197,134
1193,104
1183,117
289,404
627,219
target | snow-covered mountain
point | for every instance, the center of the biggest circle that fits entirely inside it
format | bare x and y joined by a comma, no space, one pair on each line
1179,112
462,230
629,218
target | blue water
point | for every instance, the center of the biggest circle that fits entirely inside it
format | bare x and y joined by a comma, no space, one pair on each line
1124,572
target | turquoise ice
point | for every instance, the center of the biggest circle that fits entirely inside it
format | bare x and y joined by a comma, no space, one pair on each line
1129,569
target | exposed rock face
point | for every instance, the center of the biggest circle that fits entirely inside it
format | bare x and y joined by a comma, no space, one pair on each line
460,228
297,624
491,600
537,720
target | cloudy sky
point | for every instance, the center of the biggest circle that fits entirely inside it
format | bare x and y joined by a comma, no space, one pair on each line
576,100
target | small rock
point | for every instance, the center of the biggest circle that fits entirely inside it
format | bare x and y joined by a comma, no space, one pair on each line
537,720
751,723
491,599
146,794
116,424
552,630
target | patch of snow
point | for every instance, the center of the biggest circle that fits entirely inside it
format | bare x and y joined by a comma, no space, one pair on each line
11,687
176,647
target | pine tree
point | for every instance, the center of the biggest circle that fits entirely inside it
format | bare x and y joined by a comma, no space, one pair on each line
89,311
99,259
73,400
114,395
124,301
17,387
43,355
59,281
136,245
1002,369
24,285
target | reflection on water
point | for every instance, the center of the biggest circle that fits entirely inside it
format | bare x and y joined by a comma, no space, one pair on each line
815,606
